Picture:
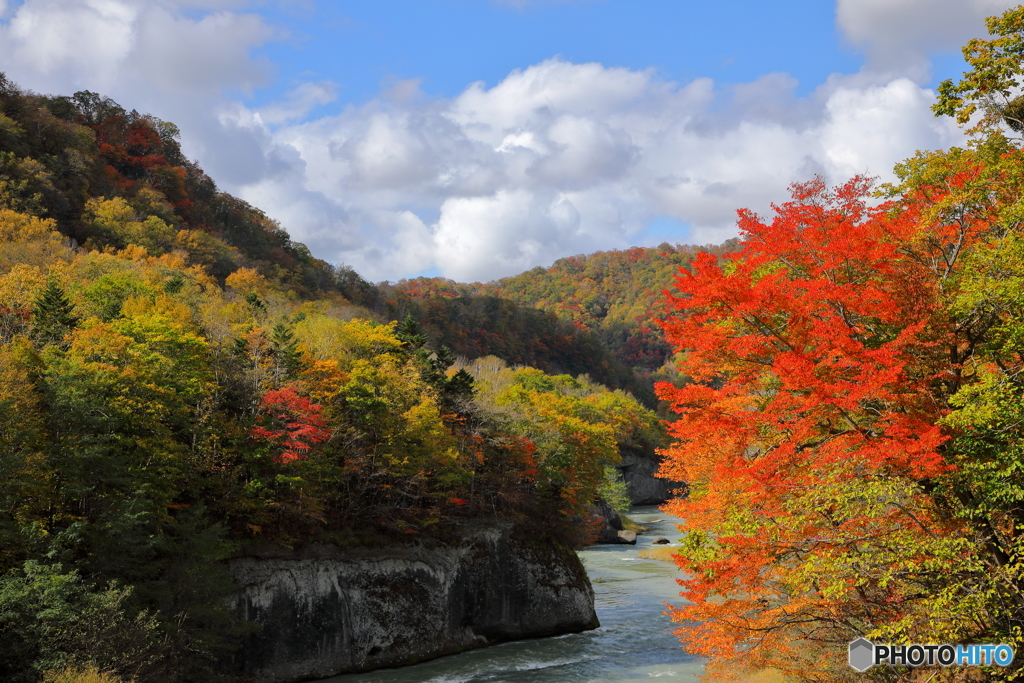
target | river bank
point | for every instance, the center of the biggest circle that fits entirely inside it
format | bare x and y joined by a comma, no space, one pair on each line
634,642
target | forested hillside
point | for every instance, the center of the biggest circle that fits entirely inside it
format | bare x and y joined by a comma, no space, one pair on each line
616,296
111,177
474,322
178,379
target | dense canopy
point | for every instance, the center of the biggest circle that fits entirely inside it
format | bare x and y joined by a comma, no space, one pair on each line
851,429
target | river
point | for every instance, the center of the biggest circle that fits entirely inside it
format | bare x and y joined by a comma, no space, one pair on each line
634,642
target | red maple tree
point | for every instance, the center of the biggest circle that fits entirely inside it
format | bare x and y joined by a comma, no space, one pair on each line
818,361
293,424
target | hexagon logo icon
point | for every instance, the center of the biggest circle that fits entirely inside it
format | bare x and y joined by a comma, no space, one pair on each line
862,654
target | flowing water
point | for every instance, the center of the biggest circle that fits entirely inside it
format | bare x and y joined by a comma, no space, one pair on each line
634,642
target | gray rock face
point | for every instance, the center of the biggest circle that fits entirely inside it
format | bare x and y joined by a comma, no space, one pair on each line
326,611
609,524
638,468
608,520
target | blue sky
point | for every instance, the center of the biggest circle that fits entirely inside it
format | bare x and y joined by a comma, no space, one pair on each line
476,138
452,43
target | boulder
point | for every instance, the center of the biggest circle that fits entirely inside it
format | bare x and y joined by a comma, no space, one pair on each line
661,540
628,537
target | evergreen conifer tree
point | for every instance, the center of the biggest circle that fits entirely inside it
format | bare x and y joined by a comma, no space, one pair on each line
258,305
285,350
408,332
53,314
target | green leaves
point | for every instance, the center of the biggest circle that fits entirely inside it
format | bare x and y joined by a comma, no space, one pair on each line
53,314
995,76
577,427
613,490
51,619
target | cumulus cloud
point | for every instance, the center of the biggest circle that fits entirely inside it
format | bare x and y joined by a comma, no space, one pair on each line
134,46
558,158
563,158
899,36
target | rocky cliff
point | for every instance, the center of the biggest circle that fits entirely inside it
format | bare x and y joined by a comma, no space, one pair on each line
325,610
609,525
638,468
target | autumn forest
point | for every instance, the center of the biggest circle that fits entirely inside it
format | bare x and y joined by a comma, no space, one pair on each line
180,378
840,389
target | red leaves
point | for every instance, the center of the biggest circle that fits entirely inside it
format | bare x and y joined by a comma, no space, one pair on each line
816,320
295,424
813,355
134,154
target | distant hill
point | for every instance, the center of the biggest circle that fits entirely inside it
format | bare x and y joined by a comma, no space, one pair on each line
474,324
616,296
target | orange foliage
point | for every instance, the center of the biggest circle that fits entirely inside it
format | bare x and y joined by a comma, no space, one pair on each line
818,364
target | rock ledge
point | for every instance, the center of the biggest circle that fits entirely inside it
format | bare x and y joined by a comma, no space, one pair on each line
326,611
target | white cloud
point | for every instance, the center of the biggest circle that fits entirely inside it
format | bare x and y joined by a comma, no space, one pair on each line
297,102
869,128
196,56
563,158
140,47
54,36
508,232
900,35
558,158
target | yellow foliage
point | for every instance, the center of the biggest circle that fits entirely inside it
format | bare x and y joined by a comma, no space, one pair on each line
10,129
97,342
246,280
150,202
134,252
491,374
117,220
19,286
425,438
393,402
222,321
325,379
174,261
89,673
111,211
325,338
161,304
204,249
20,227
26,239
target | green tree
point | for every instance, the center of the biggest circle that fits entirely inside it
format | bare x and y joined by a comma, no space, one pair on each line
53,314
614,491
284,349
991,87
50,618
25,475
408,332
